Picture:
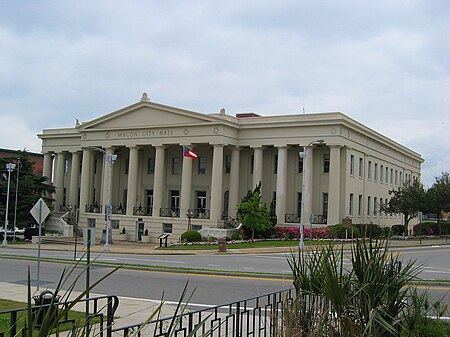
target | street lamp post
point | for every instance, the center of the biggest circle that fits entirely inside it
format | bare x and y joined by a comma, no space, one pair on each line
109,159
9,167
303,155
15,203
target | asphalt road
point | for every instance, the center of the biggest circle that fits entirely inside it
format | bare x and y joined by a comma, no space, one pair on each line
435,260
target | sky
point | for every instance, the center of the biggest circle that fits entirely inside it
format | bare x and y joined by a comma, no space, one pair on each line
384,63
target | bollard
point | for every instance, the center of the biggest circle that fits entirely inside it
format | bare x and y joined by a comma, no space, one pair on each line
222,245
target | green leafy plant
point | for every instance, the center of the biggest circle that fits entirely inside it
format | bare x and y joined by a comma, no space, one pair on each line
191,236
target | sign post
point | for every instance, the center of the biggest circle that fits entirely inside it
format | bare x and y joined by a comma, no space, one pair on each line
40,212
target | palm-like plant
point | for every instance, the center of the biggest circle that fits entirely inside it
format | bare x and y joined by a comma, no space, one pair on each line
371,298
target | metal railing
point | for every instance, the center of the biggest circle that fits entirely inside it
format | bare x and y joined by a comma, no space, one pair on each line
199,213
292,218
142,211
100,316
169,212
256,316
296,218
229,222
319,219
93,208
118,209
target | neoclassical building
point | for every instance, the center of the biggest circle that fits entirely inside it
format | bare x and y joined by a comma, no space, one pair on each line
344,168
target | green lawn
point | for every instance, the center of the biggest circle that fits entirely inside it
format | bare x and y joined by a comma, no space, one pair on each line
78,316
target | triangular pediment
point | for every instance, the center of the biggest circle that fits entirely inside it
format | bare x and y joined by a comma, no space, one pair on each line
147,115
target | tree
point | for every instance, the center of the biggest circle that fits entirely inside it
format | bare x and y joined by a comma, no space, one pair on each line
438,196
31,188
408,200
253,213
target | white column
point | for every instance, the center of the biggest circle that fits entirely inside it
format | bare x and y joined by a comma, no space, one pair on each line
47,169
281,184
132,179
158,182
216,183
307,196
186,185
106,176
74,179
334,185
257,166
234,182
85,184
59,180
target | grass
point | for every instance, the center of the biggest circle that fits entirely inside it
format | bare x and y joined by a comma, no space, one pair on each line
242,245
78,316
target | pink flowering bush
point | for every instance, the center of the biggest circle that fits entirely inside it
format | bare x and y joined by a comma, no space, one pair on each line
290,233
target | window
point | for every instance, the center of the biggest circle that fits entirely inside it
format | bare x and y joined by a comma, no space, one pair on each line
95,166
151,165
299,203
381,206
360,168
115,224
149,202
401,178
369,170
252,161
300,165
91,223
360,205
226,200
127,165
275,163
352,165
381,173
174,199
391,180
167,228
325,204
201,165
227,164
175,165
396,177
64,197
368,205
196,227
350,204
81,164
374,205
386,175
66,166
201,200
326,164
274,200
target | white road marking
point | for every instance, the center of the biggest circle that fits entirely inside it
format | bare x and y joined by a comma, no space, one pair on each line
247,268
213,265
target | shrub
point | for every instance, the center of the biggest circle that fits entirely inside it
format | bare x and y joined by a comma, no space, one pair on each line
338,231
371,231
432,228
191,236
397,229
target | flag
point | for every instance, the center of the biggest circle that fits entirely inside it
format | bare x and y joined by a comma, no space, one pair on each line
187,152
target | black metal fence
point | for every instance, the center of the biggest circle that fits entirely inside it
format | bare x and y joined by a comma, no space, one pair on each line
256,316
99,316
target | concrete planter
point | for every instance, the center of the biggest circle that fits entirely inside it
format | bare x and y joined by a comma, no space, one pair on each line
145,238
